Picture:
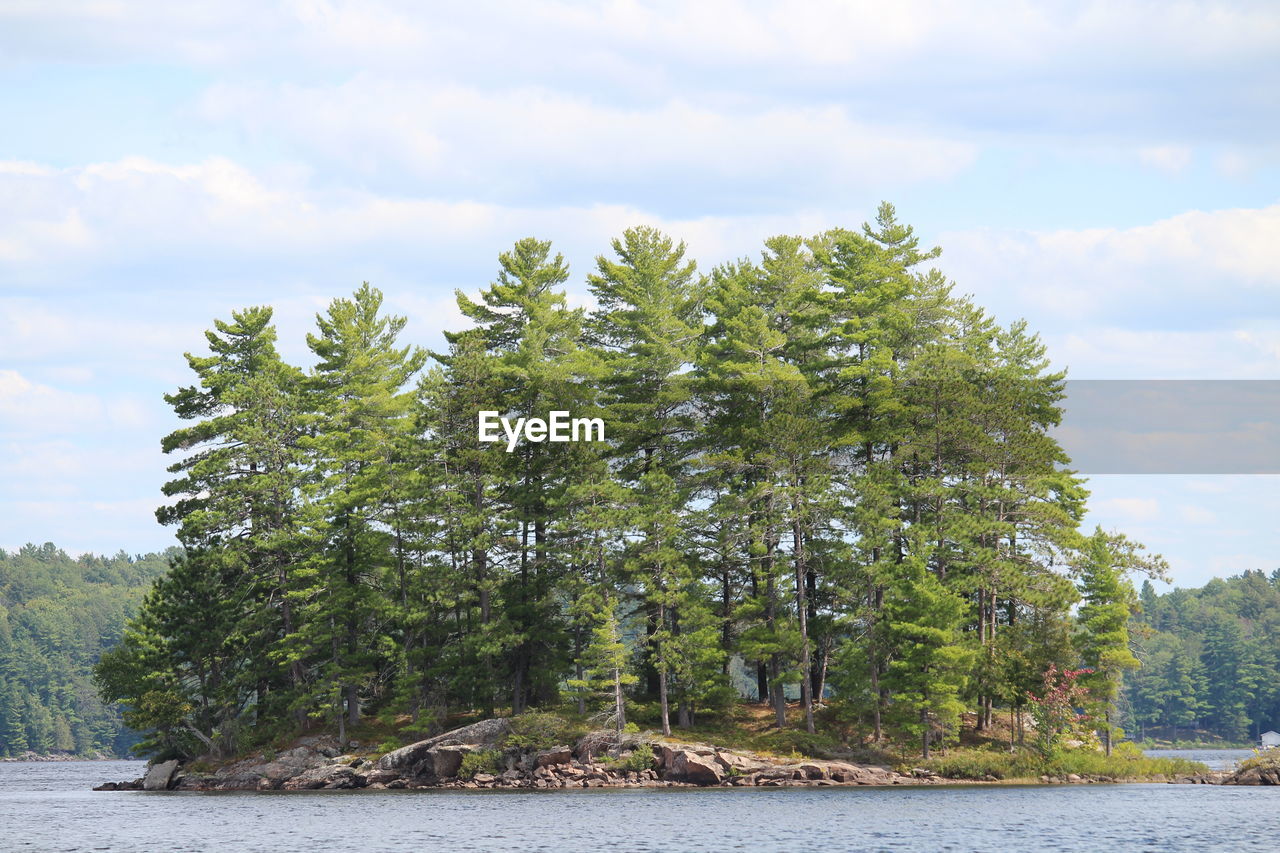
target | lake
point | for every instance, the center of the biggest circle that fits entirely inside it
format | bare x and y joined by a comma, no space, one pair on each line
49,807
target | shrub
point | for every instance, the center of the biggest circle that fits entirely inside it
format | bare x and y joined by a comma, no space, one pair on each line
1125,762
1268,760
636,761
791,742
536,730
482,761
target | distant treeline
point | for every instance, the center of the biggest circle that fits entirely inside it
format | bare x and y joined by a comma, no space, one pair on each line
821,462
57,615
1210,659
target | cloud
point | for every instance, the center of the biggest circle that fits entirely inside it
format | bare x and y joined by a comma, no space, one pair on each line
30,407
1190,71
1128,509
1210,267
1197,515
1169,158
527,144
218,220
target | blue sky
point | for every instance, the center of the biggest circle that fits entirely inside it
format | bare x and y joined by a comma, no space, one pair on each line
1109,171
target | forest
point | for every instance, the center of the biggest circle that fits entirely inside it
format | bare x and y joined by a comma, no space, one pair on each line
57,615
823,468
1210,660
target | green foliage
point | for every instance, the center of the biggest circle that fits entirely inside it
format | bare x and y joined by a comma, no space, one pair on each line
825,478
1125,763
536,730
638,760
57,616
1210,661
480,761
1262,760
796,743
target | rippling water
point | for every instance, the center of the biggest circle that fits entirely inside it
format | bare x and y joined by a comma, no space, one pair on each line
48,807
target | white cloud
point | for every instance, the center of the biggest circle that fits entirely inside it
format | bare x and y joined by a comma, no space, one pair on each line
1127,510
1169,158
1218,267
1197,515
27,406
530,142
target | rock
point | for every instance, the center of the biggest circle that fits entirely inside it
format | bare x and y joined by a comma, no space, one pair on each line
443,762
688,766
485,732
380,777
1254,776
239,782
731,761
483,778
555,755
159,776
331,776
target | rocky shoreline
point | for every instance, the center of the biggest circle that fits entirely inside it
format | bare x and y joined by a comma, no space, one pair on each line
472,758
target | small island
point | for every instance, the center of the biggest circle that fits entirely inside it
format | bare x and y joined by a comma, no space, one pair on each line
828,491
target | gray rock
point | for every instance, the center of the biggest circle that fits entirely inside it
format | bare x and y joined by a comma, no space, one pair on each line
443,762
159,776
331,776
485,732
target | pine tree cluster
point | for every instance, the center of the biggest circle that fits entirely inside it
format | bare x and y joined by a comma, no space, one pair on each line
826,478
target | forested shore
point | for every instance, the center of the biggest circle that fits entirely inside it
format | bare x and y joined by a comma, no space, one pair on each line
822,467
1210,661
57,616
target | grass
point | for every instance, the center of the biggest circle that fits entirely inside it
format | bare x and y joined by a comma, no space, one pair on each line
1263,760
1126,762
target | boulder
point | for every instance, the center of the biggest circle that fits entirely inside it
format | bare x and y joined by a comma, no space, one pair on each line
1255,776
553,756
159,776
443,762
330,776
238,782
744,765
485,732
688,766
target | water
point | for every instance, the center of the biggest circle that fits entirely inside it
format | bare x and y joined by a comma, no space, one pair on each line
1215,759
49,807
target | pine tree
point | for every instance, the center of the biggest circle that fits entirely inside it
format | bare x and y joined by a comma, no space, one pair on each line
928,667
647,325
362,401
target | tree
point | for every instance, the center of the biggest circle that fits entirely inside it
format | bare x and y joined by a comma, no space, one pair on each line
360,395
1109,600
928,669
647,326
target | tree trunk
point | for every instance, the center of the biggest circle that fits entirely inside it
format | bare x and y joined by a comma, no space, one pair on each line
619,706
802,611
924,720
660,669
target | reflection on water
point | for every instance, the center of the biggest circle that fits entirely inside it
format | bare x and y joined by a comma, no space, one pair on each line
49,807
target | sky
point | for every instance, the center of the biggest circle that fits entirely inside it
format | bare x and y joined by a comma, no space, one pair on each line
1108,171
